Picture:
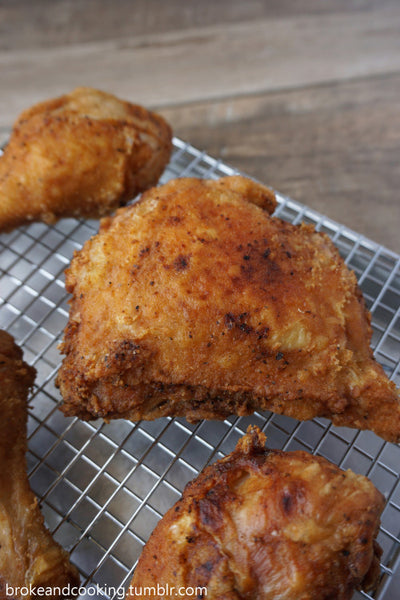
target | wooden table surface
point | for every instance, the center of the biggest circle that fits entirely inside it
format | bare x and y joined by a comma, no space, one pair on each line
302,94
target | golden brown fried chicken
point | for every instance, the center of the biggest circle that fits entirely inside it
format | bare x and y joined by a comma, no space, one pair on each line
81,155
196,302
28,553
265,524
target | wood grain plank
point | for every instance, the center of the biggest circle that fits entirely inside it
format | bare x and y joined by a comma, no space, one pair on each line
209,63
332,147
44,23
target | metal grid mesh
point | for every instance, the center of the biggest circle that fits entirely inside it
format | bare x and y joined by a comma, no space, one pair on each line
104,487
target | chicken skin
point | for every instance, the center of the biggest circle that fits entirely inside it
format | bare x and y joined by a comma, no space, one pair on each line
266,524
195,302
81,155
28,553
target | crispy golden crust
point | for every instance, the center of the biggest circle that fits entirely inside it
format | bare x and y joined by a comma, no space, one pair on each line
196,302
28,553
267,524
81,155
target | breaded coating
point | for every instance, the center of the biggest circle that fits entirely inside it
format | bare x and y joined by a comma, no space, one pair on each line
266,524
195,302
81,155
28,553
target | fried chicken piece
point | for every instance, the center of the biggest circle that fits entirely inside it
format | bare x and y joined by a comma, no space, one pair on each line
266,524
28,553
81,155
195,302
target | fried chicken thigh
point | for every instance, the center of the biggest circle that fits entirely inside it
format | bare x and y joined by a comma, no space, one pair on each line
266,524
81,155
28,553
195,302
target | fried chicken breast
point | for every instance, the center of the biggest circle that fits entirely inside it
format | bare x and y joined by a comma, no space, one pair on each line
28,553
195,302
266,524
81,155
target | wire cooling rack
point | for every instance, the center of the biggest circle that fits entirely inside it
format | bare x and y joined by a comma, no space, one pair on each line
104,487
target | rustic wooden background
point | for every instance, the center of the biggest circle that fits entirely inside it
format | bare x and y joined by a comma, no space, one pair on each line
302,94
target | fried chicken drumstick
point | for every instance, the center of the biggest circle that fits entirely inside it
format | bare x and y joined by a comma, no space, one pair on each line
81,155
266,524
195,302
28,553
